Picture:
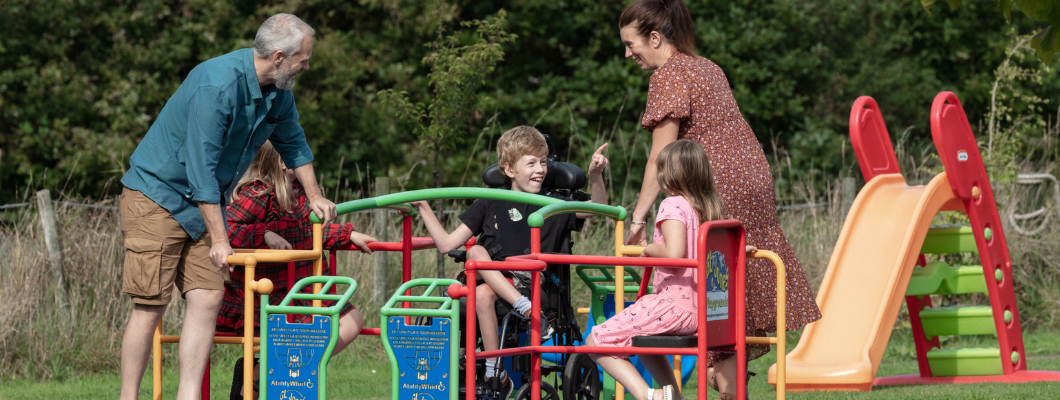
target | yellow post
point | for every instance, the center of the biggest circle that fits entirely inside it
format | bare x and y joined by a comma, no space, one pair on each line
782,312
156,362
318,263
249,264
677,368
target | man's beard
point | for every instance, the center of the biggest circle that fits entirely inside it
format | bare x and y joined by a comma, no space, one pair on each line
285,77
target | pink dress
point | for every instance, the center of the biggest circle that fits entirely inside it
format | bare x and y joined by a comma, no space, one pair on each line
671,309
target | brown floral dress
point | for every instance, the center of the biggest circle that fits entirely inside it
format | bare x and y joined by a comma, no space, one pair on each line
695,91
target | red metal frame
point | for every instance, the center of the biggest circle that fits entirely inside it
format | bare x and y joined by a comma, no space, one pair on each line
709,233
536,261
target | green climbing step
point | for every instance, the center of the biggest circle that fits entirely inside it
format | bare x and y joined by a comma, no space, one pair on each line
946,239
964,362
958,320
939,278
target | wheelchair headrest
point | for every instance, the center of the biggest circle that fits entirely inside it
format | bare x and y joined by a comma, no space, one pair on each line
560,175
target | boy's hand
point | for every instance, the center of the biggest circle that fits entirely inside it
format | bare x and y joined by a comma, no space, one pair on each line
599,161
750,249
420,204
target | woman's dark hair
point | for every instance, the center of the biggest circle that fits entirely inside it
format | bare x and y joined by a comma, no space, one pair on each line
668,17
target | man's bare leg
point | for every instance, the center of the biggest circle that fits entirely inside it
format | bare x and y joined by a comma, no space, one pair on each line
136,347
196,339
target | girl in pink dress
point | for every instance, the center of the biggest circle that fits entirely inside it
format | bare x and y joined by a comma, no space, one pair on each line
684,174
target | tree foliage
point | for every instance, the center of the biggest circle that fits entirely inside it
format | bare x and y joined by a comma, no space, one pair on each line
81,81
1047,42
458,70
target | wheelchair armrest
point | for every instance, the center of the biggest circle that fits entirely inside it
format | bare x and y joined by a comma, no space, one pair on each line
459,256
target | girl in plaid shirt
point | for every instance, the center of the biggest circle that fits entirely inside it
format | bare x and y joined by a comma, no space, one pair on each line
270,209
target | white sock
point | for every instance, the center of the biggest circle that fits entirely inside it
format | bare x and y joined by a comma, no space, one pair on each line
491,368
522,305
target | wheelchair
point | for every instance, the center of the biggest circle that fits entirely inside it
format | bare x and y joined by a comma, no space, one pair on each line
575,375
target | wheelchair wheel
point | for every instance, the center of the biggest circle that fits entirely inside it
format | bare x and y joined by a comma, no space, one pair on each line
547,392
581,378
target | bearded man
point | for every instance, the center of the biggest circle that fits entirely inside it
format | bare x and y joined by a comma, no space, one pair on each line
195,152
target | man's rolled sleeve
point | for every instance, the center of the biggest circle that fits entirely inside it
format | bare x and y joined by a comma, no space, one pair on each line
208,118
289,138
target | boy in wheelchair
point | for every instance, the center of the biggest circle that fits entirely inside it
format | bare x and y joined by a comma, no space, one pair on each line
523,158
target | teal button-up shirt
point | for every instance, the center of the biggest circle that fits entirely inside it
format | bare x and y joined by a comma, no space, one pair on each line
208,133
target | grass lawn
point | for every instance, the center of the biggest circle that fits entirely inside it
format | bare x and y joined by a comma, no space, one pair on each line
364,376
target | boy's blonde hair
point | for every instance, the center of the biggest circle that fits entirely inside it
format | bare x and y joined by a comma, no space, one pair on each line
518,142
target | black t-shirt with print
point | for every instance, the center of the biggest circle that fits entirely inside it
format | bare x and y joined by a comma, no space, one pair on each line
503,230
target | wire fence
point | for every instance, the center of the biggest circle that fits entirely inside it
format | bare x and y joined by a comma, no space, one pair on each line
73,204
65,203
446,212
1024,179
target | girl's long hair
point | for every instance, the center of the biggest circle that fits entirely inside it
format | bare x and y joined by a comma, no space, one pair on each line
267,167
684,170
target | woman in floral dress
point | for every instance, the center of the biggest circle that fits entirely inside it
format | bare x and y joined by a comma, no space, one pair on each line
689,98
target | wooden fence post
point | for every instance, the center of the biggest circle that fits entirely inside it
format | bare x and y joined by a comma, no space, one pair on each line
379,292
55,254
849,192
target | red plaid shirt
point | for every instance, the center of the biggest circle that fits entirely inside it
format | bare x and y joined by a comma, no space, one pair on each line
248,220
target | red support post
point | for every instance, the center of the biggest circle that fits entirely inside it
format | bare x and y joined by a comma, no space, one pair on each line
966,172
406,254
471,324
923,344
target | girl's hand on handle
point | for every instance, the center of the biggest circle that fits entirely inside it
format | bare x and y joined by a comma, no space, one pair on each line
361,241
636,236
599,161
750,249
276,242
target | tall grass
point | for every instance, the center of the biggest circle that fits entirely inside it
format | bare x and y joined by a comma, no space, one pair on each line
34,344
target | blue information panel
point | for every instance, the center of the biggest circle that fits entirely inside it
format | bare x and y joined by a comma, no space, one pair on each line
295,351
422,354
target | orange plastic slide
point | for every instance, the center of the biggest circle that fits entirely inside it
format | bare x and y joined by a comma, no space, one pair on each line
865,283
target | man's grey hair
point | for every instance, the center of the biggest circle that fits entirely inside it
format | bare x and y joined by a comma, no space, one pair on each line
281,32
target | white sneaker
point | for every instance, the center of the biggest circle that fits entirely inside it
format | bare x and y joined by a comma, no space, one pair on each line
667,393
546,330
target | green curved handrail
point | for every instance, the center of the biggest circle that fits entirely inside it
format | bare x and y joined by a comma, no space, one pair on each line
410,210
440,193
538,218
